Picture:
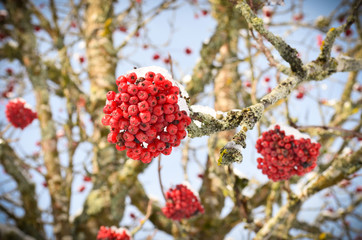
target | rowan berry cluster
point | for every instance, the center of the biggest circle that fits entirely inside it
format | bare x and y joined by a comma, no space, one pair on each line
285,156
18,114
113,233
181,203
145,117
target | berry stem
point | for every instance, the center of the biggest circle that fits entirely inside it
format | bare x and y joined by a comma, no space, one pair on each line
159,177
143,221
5,129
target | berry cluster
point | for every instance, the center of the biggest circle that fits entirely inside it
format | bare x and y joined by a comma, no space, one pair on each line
181,203
285,156
113,233
145,117
18,114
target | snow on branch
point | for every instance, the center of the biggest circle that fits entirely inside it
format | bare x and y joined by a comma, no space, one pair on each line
320,69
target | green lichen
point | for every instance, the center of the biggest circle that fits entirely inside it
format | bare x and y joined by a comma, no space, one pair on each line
229,156
96,201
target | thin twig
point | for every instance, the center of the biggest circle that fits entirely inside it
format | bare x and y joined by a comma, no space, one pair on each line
143,221
344,132
185,158
5,129
159,177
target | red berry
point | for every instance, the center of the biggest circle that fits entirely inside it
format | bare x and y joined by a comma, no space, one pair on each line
151,132
132,89
111,95
161,99
122,87
122,29
81,59
300,95
9,71
172,129
159,79
87,179
133,129
18,114
171,98
144,126
158,110
130,145
153,119
135,121
298,16
169,118
188,51
181,134
143,106
121,79
133,100
160,146
132,77
167,84
284,156
165,137
348,32
181,202
145,111
141,136
81,188
106,233
142,95
128,137
156,56
37,28
125,97
267,12
174,90
167,60
106,119
167,151
112,137
152,89
152,101
149,76
133,110
145,116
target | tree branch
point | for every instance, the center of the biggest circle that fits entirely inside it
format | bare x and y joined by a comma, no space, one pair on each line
31,221
340,168
288,53
8,232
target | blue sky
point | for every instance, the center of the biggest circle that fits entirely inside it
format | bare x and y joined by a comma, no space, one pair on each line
186,31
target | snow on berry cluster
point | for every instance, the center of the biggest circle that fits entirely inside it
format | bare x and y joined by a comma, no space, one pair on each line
113,233
181,203
145,115
284,155
19,114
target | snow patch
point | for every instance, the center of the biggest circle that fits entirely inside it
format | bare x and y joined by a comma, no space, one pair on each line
198,123
238,173
232,144
204,109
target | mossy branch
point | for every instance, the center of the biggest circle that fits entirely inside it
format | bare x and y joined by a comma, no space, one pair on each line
288,53
340,168
248,117
30,223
